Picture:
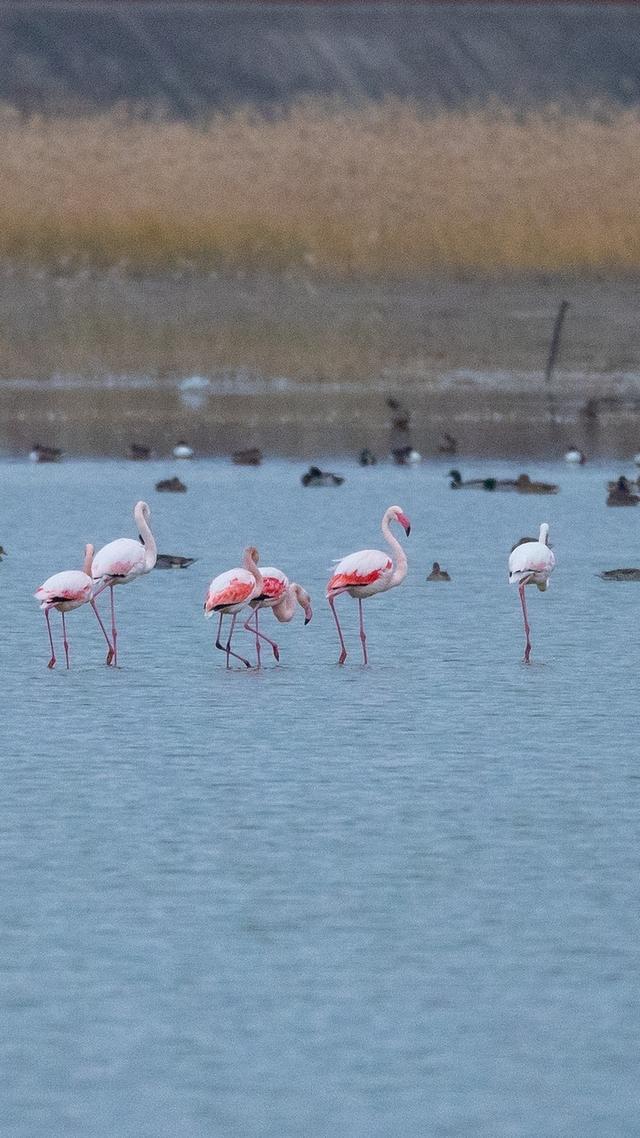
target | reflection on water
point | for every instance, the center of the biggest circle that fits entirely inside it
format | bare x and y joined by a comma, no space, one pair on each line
401,899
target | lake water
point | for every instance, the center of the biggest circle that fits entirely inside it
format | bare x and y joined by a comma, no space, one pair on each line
365,902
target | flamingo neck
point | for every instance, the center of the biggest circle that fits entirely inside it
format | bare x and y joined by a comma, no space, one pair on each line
399,555
544,533
251,566
303,599
148,540
88,559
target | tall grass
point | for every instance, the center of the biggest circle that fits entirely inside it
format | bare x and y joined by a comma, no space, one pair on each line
367,191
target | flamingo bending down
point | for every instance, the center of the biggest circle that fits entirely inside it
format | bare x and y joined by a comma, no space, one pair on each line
530,563
65,591
368,572
282,596
231,591
122,561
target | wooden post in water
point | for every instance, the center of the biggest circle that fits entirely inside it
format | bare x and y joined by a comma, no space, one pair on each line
554,348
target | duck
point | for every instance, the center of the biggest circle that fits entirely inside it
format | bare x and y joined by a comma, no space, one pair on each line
316,477
367,457
447,444
438,574
406,456
619,493
171,486
620,575
182,450
138,452
173,561
575,455
524,485
250,457
39,453
457,482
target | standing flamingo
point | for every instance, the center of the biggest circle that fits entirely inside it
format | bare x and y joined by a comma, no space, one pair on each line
281,595
531,562
123,560
368,572
65,591
231,591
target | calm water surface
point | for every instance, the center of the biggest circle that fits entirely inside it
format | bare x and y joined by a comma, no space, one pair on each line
400,900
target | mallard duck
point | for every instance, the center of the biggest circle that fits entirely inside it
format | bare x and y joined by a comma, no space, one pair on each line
620,493
620,575
138,452
171,486
39,453
317,477
406,456
250,457
438,574
173,561
524,485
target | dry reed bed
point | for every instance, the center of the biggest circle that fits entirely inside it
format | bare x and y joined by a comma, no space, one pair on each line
374,190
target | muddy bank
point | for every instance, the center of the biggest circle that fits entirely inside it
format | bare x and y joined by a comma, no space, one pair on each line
302,367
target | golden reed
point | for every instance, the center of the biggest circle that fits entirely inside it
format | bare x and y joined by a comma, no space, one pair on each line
379,189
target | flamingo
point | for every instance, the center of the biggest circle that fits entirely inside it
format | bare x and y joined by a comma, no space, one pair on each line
122,561
231,591
282,596
368,572
530,563
65,591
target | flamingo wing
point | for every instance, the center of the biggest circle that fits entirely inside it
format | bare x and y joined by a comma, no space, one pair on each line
230,588
531,557
274,583
120,558
359,569
70,585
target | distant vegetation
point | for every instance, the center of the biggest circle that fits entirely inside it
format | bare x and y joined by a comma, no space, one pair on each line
383,189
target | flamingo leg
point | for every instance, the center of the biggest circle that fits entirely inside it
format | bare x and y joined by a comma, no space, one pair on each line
363,635
52,661
104,631
250,628
227,648
527,630
65,641
257,632
114,630
343,653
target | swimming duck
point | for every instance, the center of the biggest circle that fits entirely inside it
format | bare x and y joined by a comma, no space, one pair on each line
438,574
620,575
457,482
182,450
39,453
575,455
250,457
620,493
317,477
524,485
406,456
171,486
138,452
173,561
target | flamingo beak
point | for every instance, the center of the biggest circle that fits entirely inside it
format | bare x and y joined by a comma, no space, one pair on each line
307,614
405,523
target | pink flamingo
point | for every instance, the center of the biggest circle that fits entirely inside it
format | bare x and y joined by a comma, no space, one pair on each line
124,560
368,572
530,563
282,596
65,591
231,591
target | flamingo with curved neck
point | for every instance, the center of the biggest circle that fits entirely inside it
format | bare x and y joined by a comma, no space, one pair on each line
531,562
367,572
124,560
65,591
229,592
281,596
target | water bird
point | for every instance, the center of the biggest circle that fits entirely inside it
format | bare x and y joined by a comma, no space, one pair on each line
457,482
367,457
122,561
524,485
250,457
620,575
406,456
39,453
65,591
367,572
138,452
230,592
575,455
530,563
173,561
171,486
620,493
282,597
438,574
3,552
317,477
182,450
447,444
